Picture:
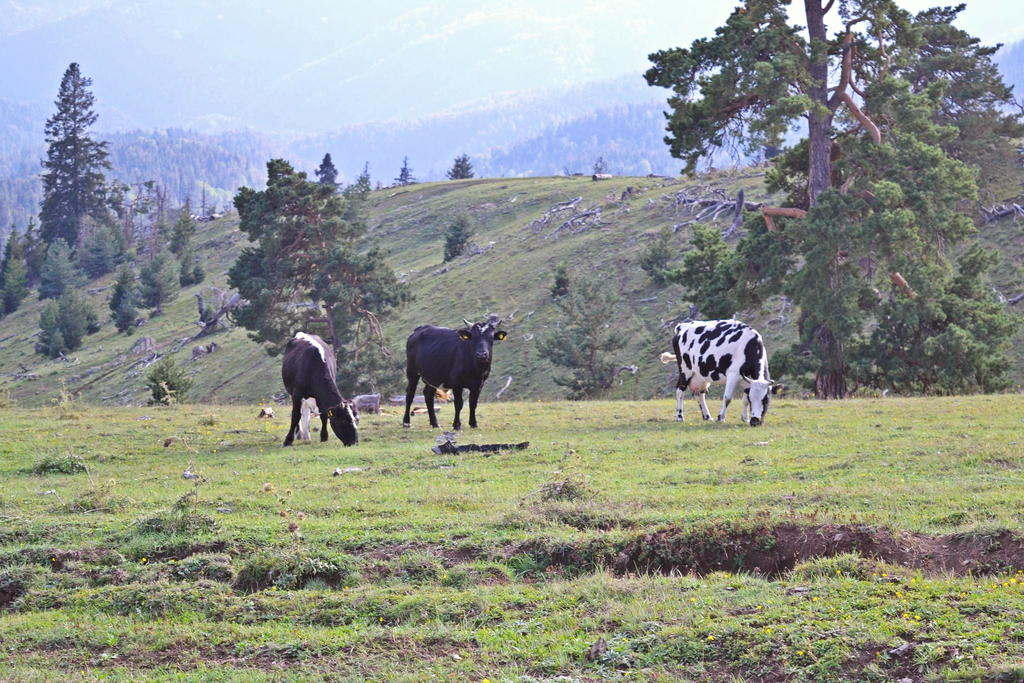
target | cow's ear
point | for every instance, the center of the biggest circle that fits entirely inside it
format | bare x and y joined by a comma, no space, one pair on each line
500,335
465,335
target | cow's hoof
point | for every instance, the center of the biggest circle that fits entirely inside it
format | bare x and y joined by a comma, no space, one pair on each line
679,418
406,425
706,417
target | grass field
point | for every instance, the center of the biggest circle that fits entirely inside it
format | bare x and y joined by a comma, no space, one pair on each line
858,540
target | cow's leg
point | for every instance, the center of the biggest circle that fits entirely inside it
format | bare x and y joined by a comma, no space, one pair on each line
746,405
410,394
457,395
680,391
730,385
323,426
474,395
304,422
428,397
702,401
296,416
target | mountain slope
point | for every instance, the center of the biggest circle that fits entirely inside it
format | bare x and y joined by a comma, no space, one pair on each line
511,278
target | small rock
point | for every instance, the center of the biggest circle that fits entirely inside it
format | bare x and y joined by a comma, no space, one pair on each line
168,441
901,650
226,511
597,649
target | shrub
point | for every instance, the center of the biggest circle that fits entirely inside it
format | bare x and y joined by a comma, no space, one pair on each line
65,323
167,382
456,237
67,463
293,569
206,566
654,259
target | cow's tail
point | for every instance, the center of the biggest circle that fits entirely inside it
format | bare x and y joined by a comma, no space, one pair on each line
668,357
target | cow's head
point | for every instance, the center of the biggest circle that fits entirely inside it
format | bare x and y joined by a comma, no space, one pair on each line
344,420
760,395
481,337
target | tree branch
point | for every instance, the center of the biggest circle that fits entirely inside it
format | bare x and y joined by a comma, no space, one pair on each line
898,281
864,119
770,211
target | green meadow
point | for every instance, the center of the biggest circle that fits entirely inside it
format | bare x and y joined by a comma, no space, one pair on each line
864,540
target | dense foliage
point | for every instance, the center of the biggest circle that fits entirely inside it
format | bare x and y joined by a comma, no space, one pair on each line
308,272
874,193
456,236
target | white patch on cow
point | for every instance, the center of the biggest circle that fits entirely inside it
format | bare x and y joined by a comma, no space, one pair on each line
309,339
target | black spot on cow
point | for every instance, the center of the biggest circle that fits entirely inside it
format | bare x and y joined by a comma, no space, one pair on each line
686,359
736,337
699,330
723,366
684,337
752,354
706,365
704,347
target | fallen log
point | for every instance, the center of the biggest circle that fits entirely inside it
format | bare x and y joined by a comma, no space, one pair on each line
449,448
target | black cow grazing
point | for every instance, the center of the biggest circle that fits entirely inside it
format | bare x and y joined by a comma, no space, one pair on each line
309,371
721,352
450,359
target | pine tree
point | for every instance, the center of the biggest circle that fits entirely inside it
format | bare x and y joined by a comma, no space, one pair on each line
461,168
73,183
167,382
327,173
98,255
456,236
15,287
405,176
159,282
600,167
14,250
304,251
560,286
190,272
58,273
65,323
872,192
183,230
584,341
35,252
122,300
357,194
654,259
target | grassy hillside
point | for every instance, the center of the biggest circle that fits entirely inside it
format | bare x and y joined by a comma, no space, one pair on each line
855,541
512,276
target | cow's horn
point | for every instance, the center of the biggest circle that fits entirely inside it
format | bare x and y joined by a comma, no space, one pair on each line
468,324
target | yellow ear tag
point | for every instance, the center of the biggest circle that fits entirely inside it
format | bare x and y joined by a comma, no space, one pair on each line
501,335
330,412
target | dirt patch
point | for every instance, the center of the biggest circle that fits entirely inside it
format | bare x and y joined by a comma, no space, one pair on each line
773,551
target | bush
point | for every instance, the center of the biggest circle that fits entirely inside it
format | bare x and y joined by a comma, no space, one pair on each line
67,463
58,273
167,382
159,282
205,566
654,259
293,569
560,287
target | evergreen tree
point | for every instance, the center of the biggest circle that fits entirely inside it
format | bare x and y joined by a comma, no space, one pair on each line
65,323
560,286
159,282
405,176
14,250
35,252
191,272
872,192
327,173
73,183
357,194
305,252
583,341
122,300
600,167
708,272
167,382
183,230
98,255
15,287
654,259
58,273
456,236
461,168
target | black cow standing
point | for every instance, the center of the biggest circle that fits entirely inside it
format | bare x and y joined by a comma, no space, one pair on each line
450,359
309,371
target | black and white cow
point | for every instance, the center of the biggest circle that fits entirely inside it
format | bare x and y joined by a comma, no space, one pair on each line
309,371
450,359
721,352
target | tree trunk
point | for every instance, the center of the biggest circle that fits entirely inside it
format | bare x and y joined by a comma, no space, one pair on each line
830,380
819,165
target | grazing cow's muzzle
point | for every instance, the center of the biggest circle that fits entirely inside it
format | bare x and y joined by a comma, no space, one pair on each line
755,421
